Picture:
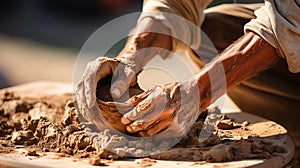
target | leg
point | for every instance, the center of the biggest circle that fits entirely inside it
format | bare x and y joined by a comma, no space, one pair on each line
224,24
274,93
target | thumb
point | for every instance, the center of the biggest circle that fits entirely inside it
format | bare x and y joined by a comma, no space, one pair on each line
118,88
122,83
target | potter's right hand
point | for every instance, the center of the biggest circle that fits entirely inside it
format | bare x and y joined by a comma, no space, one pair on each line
139,49
123,73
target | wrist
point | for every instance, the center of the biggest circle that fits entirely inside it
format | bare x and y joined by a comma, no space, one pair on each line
197,90
134,53
202,85
150,38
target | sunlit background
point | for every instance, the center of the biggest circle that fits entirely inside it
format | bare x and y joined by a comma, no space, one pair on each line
40,39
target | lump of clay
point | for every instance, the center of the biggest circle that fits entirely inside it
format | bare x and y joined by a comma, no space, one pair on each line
23,138
219,153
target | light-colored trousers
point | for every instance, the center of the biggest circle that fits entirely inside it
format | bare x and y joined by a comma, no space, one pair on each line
275,92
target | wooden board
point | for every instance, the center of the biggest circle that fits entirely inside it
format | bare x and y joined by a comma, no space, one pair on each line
36,89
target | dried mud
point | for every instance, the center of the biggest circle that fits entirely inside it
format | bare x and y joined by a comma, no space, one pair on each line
29,123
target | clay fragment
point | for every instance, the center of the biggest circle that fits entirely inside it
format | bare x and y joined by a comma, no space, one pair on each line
225,124
31,153
219,153
96,161
146,162
23,138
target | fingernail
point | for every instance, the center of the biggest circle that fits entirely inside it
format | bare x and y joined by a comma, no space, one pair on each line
116,92
125,121
129,129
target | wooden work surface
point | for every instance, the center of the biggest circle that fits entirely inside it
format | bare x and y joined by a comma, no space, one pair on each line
18,159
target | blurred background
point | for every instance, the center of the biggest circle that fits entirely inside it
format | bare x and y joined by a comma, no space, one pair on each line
40,39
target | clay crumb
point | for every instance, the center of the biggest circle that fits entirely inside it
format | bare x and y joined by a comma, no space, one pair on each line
96,161
146,162
31,153
219,153
225,124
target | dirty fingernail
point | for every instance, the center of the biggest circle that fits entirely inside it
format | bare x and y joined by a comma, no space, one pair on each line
116,92
129,129
125,121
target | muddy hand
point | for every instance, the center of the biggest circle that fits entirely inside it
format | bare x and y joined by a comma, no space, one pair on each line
123,69
98,69
172,107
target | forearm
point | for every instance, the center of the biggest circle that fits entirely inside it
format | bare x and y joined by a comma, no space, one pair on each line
248,56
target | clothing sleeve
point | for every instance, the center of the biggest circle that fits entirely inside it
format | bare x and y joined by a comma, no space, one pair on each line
182,17
278,23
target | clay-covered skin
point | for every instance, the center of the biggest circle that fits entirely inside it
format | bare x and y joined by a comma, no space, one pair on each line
170,109
72,138
95,90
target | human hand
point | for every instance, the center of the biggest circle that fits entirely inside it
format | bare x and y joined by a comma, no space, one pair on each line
173,107
123,69
123,75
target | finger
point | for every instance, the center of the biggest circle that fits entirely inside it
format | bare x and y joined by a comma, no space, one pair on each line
144,125
141,109
153,105
159,127
146,110
131,103
145,115
118,88
176,128
166,119
124,77
138,126
135,100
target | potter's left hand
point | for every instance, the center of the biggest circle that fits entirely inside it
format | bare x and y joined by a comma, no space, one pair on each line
172,106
